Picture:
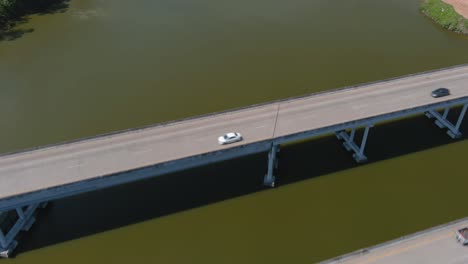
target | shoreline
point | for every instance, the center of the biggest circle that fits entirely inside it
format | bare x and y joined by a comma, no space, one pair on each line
460,6
445,15
404,244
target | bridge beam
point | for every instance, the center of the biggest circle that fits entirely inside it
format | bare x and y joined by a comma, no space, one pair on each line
350,145
269,179
442,122
25,219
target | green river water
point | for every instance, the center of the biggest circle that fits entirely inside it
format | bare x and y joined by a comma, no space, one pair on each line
102,66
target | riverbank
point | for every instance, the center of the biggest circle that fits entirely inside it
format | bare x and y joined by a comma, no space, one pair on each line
445,14
460,6
412,248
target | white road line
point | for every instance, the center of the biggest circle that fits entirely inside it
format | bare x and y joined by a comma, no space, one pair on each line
76,165
141,151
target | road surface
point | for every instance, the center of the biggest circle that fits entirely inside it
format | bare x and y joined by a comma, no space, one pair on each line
435,246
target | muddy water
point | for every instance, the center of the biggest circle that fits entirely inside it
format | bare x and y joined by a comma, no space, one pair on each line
102,66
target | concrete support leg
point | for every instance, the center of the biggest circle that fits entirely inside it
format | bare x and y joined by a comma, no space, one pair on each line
460,117
446,111
3,243
350,145
26,218
442,122
6,247
269,179
20,212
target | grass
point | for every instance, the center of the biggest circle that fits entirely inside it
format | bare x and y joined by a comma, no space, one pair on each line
445,15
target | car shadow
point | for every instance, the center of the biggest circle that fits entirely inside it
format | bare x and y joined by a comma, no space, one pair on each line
115,207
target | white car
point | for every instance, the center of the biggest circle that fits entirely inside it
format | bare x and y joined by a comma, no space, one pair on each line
229,138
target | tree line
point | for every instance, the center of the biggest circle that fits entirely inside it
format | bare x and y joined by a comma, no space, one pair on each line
11,10
7,10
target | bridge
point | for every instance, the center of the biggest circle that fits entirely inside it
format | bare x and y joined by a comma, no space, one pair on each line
31,178
432,246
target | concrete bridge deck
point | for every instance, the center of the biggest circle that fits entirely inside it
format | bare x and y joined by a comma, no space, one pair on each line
65,169
434,246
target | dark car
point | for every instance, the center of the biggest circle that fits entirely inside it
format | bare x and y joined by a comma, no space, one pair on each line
440,92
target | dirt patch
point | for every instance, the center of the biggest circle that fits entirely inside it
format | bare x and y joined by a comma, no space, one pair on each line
461,6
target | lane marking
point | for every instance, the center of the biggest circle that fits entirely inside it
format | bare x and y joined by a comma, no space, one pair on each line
76,165
407,248
141,151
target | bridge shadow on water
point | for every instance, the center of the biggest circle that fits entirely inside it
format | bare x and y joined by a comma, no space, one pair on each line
326,155
120,206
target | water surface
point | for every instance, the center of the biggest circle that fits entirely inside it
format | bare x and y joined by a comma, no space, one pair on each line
102,66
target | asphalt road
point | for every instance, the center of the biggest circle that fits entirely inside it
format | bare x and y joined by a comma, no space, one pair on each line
437,246
74,162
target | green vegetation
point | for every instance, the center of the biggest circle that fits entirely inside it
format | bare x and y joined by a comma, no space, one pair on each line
7,10
11,11
444,15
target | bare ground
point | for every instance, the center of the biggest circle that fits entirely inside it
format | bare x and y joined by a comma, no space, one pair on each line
461,6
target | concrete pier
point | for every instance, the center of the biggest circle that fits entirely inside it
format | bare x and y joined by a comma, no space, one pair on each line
22,220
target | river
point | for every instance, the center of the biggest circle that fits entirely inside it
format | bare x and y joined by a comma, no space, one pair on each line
102,66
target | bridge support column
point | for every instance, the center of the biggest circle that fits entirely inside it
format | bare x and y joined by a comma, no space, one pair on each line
350,145
442,122
25,218
269,179
3,242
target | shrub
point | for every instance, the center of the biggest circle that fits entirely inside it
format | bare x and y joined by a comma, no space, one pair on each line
445,15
